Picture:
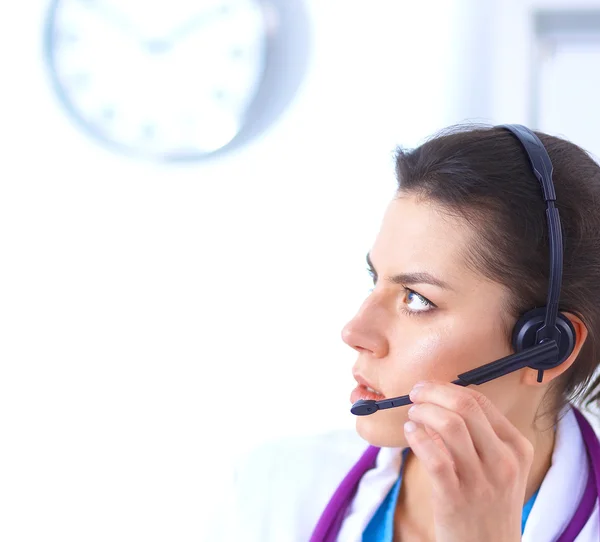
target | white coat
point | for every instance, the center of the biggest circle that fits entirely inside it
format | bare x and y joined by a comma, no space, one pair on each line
281,489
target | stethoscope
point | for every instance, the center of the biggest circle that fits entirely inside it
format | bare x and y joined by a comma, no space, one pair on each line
542,339
330,522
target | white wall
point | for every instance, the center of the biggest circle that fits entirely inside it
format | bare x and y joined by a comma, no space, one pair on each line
157,322
549,88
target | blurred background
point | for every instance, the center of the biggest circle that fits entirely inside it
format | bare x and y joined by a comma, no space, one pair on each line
188,192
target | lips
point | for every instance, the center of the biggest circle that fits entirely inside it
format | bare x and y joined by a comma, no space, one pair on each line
365,391
362,382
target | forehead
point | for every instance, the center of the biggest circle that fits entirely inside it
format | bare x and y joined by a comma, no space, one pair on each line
416,235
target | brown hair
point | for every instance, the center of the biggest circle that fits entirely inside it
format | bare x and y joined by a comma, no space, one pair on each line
483,175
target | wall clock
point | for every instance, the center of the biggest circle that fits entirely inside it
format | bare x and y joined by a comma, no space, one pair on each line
175,80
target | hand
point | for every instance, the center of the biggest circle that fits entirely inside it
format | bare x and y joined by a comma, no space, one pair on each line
477,461
195,23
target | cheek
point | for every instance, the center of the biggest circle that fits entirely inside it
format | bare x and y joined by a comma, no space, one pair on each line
441,353
421,355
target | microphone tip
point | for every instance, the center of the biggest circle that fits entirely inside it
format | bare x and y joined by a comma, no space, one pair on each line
364,407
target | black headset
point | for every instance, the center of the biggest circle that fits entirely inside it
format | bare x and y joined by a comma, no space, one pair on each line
542,338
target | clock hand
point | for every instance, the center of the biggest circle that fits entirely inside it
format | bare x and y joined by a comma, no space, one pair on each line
190,26
113,16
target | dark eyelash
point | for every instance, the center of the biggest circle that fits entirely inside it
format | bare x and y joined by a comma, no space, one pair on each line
373,275
409,312
423,298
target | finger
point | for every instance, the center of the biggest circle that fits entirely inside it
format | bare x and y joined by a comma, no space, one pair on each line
437,439
488,427
453,430
436,463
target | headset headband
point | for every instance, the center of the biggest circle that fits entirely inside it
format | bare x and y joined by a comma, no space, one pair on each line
537,341
542,168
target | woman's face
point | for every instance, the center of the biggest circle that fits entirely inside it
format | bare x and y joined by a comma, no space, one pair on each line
427,317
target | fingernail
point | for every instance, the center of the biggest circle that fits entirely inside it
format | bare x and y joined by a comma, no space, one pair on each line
412,410
410,427
416,388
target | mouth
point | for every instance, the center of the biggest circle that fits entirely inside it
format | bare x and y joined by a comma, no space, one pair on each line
365,391
371,390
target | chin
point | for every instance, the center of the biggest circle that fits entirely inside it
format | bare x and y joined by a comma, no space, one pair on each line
384,429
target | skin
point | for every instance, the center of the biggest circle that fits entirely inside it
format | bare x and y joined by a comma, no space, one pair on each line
476,454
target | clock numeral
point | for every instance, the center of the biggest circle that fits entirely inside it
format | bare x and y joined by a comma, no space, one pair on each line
65,38
108,113
149,131
80,80
157,47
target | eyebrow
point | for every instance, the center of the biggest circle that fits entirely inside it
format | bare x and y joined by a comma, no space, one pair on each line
419,277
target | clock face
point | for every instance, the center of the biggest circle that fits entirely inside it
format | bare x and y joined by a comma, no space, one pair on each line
167,79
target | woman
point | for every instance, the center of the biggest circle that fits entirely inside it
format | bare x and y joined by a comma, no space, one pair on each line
462,253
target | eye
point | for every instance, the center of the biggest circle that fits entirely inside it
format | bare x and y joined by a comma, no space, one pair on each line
372,274
416,303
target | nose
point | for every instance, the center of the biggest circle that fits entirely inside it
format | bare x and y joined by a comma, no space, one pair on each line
366,331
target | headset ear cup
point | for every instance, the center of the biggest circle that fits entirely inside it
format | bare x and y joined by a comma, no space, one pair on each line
528,325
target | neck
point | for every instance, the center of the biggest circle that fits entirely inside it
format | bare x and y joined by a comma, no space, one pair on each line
414,516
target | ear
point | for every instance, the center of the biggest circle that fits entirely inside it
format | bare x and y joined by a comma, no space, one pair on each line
581,333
